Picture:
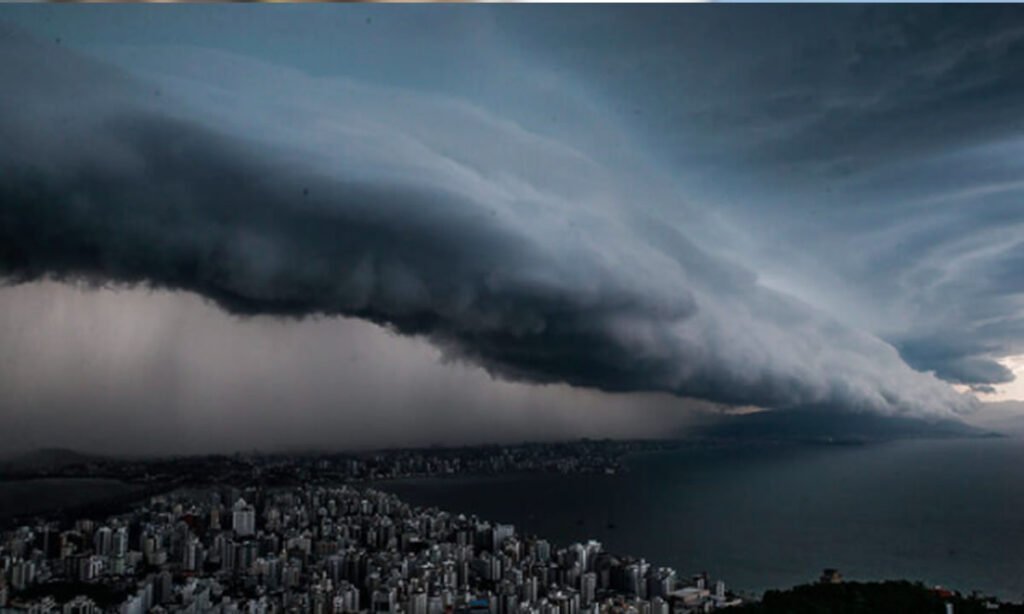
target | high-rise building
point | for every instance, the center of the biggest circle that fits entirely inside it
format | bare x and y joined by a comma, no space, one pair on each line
383,600
417,603
103,541
23,574
243,519
659,606
588,588
500,533
80,605
119,547
543,549
660,581
133,605
191,555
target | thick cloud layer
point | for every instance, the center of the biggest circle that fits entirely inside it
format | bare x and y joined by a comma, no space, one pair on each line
881,145
504,247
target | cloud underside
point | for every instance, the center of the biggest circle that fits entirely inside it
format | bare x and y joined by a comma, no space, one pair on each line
106,187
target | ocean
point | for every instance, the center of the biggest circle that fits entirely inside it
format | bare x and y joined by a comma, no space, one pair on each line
946,512
41,496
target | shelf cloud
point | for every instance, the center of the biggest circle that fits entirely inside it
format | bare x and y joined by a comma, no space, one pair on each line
538,258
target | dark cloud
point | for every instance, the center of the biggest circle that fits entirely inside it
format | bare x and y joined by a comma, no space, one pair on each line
821,90
111,186
197,213
955,367
872,152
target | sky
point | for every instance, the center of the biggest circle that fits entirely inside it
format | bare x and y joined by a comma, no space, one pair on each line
228,227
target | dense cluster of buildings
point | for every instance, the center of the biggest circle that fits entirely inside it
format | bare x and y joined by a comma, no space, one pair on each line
321,549
581,456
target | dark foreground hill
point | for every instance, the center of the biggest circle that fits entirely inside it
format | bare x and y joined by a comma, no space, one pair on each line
872,598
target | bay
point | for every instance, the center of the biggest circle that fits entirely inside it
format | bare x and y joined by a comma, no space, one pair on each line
946,512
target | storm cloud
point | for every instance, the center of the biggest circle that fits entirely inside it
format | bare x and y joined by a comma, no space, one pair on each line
879,144
540,261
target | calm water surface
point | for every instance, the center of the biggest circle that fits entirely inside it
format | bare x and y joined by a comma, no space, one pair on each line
946,512
19,497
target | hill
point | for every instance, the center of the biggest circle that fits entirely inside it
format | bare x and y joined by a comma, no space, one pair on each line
45,460
831,426
871,598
